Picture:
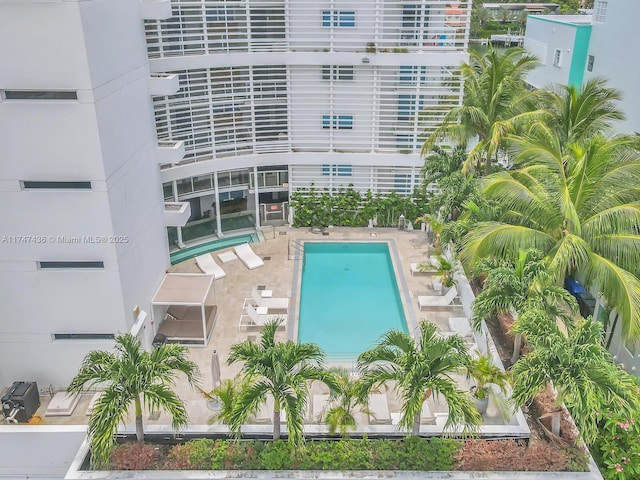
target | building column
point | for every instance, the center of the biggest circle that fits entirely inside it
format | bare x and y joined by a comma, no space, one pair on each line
257,197
216,191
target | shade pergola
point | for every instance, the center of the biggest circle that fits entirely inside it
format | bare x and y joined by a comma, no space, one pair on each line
180,301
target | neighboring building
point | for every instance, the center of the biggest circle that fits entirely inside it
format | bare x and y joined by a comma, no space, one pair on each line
104,103
561,43
602,49
614,40
495,9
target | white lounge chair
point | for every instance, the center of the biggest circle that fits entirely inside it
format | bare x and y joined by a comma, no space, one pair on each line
460,325
254,317
275,303
247,256
445,300
208,265
379,409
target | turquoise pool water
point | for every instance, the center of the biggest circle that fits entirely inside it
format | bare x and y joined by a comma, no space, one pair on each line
192,252
349,296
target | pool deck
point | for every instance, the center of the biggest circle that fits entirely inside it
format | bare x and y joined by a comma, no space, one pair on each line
281,275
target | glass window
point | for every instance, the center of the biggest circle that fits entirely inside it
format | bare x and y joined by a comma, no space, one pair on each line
326,121
72,265
346,19
271,179
557,58
224,179
345,122
184,186
590,61
344,170
167,189
35,185
202,183
240,177
39,95
326,18
601,11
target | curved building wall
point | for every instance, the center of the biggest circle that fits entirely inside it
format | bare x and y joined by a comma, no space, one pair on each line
326,93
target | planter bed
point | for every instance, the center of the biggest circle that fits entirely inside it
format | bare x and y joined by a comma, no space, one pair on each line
335,458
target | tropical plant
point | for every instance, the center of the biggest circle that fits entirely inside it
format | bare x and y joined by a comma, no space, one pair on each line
578,204
444,168
580,113
617,446
418,370
486,374
516,287
131,376
442,269
436,227
574,361
344,399
496,102
280,370
225,396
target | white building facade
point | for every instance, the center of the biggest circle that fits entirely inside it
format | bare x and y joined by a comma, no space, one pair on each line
83,235
280,95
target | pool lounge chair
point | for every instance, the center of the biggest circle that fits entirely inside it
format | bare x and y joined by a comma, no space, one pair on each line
247,256
251,317
273,303
208,265
445,300
379,409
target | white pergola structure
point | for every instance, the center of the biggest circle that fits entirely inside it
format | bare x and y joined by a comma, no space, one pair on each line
181,302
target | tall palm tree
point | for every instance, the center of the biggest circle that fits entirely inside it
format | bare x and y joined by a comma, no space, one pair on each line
496,102
580,113
131,376
579,205
281,370
419,369
518,286
583,373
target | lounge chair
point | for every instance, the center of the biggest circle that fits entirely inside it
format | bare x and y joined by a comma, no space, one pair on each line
379,409
208,265
425,268
445,300
253,317
461,326
247,256
273,303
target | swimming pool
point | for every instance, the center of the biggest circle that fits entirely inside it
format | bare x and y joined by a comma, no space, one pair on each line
192,252
349,296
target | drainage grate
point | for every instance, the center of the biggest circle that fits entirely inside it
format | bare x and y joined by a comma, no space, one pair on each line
325,234
261,287
266,258
282,233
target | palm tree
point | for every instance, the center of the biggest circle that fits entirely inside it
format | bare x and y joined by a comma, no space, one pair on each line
580,113
578,204
516,287
344,399
496,102
583,373
420,369
131,376
444,167
281,370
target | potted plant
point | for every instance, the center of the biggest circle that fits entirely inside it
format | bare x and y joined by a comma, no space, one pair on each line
486,374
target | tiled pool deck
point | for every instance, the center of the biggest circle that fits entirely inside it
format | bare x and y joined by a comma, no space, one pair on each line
281,275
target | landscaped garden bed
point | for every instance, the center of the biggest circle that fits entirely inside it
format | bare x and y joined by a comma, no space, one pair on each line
407,454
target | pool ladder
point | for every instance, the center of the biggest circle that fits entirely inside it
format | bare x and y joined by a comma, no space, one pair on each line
295,250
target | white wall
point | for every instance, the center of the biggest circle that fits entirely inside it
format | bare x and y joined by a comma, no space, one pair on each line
542,39
614,47
107,137
36,451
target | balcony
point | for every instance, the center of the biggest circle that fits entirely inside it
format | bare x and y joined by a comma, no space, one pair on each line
161,84
155,9
170,152
176,214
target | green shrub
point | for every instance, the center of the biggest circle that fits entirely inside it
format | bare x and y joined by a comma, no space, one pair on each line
617,449
276,456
